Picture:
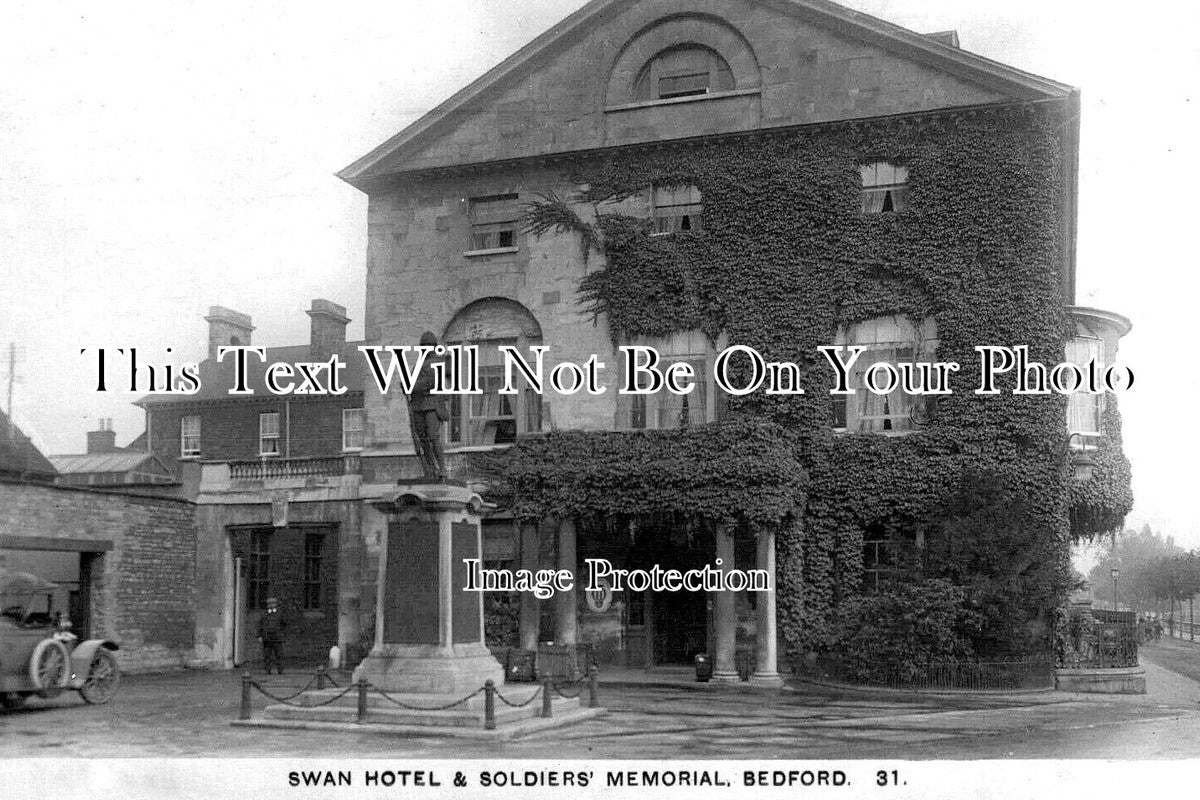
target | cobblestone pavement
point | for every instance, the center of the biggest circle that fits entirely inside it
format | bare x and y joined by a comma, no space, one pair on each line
188,714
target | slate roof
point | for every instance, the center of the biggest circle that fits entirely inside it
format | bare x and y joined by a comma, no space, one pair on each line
102,462
19,456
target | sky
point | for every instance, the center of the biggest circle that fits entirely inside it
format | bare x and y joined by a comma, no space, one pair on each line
158,158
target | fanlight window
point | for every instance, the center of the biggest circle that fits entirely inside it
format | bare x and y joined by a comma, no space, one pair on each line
683,72
492,418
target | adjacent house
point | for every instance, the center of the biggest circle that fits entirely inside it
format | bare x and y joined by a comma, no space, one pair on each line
105,465
274,478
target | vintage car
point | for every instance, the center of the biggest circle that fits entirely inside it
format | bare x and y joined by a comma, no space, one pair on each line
38,653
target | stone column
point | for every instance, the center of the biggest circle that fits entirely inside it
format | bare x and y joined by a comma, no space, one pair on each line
766,672
725,615
531,613
566,622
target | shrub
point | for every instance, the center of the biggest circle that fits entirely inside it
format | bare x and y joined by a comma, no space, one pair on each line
902,628
501,616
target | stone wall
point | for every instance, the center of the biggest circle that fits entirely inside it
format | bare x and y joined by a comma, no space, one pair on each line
419,277
143,585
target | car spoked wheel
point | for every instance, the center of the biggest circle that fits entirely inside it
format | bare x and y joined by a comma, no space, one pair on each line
102,679
49,667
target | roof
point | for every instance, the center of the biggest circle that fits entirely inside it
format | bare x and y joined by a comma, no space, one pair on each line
216,379
20,455
102,462
932,50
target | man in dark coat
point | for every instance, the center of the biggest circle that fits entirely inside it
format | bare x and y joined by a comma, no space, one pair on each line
270,634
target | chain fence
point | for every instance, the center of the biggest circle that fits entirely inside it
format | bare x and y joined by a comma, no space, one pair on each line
363,688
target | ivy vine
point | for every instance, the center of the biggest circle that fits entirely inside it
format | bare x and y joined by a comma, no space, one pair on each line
785,257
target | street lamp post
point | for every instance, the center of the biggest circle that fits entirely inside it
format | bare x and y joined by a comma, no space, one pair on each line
1116,573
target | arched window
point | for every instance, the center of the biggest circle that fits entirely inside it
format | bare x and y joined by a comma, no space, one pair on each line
491,417
663,410
891,340
683,71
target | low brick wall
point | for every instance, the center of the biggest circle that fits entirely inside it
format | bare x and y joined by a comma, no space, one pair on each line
1119,680
142,569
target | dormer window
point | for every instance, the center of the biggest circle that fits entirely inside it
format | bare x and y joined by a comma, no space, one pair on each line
884,188
683,72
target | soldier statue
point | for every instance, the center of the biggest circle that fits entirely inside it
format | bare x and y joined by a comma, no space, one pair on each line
426,413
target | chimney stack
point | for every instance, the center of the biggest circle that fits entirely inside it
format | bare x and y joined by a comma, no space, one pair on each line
103,440
226,327
328,332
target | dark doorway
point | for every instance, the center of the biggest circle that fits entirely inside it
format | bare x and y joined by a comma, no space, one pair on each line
680,626
298,565
678,621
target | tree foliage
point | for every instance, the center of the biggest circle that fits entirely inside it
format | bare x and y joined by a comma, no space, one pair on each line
1144,577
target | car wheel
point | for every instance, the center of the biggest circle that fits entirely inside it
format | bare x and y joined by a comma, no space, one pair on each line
10,701
102,679
49,667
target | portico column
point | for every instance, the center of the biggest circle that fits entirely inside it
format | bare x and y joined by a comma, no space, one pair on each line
766,672
724,614
530,619
566,626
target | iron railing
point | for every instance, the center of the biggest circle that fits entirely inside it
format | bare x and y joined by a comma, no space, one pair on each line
1098,644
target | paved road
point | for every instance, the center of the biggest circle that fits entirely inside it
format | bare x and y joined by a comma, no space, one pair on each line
188,714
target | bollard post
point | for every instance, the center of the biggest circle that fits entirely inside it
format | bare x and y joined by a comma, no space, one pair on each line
489,705
244,712
320,676
593,687
547,712
362,699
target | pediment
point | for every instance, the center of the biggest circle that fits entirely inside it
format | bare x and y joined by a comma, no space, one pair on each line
581,85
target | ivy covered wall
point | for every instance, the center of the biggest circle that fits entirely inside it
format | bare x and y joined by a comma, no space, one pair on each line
785,257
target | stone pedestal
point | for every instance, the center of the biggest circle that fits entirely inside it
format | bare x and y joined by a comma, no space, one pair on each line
428,629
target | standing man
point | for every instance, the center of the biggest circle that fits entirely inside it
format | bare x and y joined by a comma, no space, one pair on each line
270,635
426,413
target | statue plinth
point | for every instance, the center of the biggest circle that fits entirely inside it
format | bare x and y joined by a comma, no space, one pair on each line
428,630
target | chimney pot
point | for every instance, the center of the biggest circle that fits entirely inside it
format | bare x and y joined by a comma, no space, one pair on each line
102,440
327,329
227,327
